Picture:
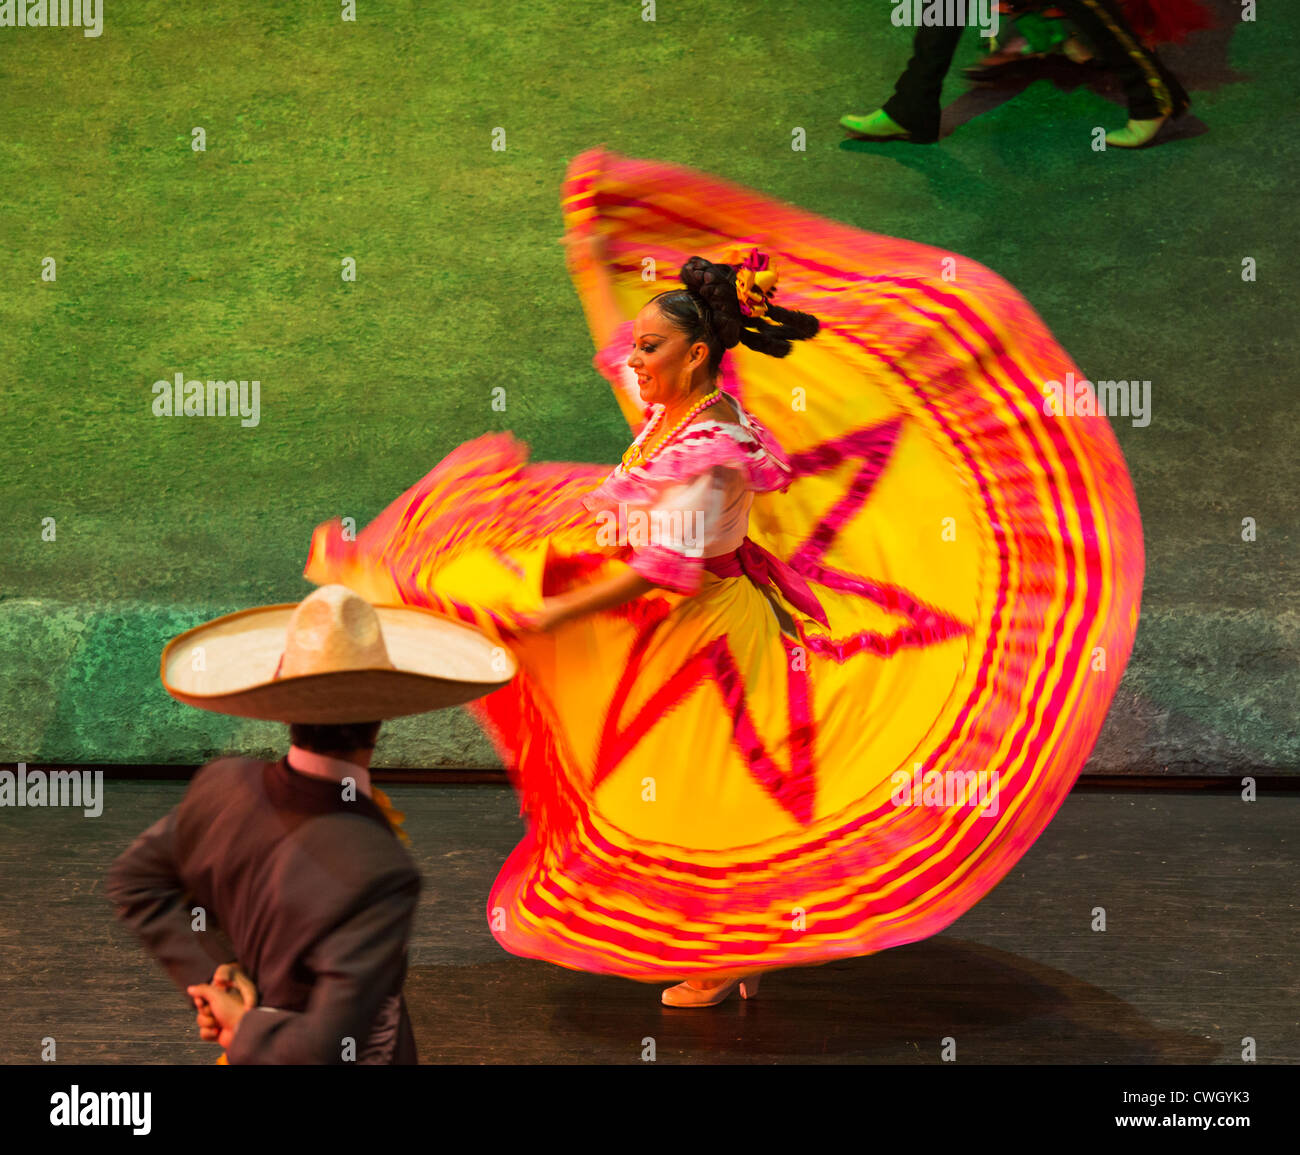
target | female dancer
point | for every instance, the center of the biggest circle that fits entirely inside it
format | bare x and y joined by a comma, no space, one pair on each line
718,462
781,699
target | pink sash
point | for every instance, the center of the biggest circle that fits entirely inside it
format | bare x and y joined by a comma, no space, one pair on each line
763,567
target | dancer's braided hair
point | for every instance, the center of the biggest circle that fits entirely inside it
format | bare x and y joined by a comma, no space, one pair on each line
708,310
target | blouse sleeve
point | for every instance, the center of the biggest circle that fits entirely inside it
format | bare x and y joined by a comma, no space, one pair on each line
669,542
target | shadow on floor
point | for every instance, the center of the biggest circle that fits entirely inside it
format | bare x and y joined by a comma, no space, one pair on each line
894,1007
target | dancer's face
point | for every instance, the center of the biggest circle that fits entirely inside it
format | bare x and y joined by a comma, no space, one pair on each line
664,361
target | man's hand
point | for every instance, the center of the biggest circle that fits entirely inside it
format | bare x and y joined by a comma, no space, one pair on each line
229,977
233,975
225,1007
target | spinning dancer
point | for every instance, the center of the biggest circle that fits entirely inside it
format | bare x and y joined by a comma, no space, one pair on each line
852,573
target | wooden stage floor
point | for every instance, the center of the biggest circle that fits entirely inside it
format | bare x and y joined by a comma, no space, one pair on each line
1200,952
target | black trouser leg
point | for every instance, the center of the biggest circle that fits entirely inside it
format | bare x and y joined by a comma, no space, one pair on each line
915,103
1150,89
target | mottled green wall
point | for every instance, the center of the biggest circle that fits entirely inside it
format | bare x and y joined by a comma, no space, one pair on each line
373,140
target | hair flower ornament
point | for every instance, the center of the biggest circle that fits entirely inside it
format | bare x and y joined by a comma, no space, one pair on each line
755,283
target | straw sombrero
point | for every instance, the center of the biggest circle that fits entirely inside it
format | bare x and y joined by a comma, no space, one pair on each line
333,657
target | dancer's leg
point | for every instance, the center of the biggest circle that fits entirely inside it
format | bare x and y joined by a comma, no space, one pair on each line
915,103
1152,91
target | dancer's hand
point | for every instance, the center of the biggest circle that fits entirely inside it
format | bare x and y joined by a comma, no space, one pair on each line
228,976
543,620
592,245
624,586
206,1022
225,1007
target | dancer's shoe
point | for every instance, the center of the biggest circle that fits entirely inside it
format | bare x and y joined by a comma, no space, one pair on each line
685,995
1136,133
1140,133
875,126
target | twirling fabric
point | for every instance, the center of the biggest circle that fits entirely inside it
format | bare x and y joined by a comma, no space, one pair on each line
707,790
1166,21
1155,21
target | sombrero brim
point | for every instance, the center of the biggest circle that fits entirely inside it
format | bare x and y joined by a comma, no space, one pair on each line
228,666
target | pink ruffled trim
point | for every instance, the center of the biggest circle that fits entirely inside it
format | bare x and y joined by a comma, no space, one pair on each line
706,445
674,571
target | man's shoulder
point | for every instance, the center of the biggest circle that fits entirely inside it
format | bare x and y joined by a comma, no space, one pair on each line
370,844
349,845
236,777
224,782
229,767
343,862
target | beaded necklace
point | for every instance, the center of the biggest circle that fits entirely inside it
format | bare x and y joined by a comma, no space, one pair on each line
636,455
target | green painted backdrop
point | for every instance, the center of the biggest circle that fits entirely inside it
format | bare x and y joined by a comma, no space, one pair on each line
371,139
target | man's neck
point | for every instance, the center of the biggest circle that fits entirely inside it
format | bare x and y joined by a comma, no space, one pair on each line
333,769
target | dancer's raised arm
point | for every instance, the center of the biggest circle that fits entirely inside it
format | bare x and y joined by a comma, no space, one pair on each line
603,313
626,585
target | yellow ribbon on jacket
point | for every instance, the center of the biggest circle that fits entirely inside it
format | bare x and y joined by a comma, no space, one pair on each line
395,817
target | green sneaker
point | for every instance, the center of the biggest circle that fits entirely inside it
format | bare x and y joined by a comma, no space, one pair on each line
1135,134
874,126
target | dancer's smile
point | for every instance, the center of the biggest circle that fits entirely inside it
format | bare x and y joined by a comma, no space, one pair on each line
644,361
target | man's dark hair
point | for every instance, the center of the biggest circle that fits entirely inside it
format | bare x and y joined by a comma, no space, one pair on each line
333,739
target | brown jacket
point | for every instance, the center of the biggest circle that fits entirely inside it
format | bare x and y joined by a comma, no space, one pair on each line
314,894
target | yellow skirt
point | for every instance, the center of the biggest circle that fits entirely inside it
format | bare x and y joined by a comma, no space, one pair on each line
706,793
